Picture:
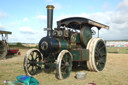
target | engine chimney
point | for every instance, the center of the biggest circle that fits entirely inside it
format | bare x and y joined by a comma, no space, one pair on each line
49,19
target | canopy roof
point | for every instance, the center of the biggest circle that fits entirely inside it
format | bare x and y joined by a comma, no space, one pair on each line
77,22
5,32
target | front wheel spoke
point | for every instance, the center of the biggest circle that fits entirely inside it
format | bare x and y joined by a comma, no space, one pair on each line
28,66
68,59
63,74
28,62
65,57
62,64
63,67
38,66
31,53
63,61
32,57
28,59
36,58
64,70
32,68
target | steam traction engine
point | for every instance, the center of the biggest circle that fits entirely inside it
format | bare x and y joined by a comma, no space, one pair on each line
4,44
69,43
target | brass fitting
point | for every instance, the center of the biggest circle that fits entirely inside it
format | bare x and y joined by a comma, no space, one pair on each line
50,7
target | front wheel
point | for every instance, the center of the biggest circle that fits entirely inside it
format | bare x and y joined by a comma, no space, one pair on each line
31,62
64,64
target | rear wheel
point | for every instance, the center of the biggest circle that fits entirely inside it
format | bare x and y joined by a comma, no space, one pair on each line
31,62
64,64
97,54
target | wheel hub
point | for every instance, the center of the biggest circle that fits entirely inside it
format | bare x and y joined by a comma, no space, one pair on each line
66,64
33,62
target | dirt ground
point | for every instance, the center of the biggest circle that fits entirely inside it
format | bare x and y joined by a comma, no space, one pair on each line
115,72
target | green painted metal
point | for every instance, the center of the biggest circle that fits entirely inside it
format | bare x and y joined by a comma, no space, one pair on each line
85,54
80,54
76,55
100,55
74,40
77,38
64,44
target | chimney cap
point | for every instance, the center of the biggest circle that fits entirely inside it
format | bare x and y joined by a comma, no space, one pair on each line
50,7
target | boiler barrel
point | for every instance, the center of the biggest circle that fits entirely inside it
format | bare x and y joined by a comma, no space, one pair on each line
52,45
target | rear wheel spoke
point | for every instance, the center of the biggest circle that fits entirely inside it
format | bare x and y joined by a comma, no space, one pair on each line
102,47
101,54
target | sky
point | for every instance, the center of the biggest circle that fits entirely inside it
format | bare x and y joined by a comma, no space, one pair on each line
27,18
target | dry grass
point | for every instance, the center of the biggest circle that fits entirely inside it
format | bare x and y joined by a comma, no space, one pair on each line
115,73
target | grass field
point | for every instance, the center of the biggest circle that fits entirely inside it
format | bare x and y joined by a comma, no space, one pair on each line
115,72
122,50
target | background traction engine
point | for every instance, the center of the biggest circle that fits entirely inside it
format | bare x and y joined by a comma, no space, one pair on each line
4,44
71,42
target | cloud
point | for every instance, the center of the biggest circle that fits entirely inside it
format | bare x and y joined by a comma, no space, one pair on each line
57,6
119,17
42,18
47,1
14,38
106,6
91,8
123,4
25,19
29,35
117,20
26,30
18,22
123,7
2,27
3,15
